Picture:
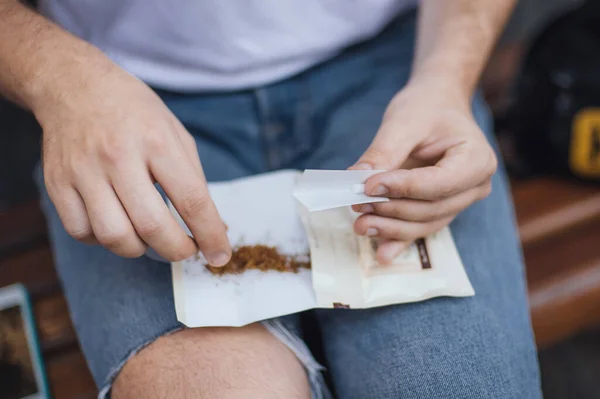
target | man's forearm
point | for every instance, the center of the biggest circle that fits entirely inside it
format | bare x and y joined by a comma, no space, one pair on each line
36,55
456,37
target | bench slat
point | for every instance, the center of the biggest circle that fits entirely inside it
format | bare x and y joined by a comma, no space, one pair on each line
54,326
559,223
69,377
557,255
565,304
548,207
21,228
34,269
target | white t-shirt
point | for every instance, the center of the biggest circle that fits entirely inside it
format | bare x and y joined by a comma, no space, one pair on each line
195,45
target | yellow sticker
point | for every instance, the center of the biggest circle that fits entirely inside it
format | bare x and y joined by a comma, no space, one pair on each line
584,155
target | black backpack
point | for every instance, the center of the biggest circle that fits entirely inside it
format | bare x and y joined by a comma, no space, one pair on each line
555,119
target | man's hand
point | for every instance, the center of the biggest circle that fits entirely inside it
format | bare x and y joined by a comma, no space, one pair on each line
438,160
438,163
107,138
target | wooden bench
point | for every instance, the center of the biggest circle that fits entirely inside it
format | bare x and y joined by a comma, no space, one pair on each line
559,224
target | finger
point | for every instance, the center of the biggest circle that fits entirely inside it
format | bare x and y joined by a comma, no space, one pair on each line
150,216
461,168
110,223
72,213
360,207
187,189
427,211
189,144
387,251
390,147
394,229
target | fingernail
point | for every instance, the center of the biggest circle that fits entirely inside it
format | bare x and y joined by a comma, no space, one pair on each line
363,166
371,231
379,190
367,208
218,259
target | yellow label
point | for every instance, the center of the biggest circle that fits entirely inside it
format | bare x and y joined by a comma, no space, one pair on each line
584,155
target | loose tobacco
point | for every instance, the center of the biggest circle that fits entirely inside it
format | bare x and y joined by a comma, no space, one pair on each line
260,257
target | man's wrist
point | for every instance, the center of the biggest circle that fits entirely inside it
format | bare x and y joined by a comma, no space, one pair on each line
65,78
442,84
455,38
451,69
39,60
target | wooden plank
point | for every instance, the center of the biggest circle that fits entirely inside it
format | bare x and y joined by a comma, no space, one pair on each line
555,256
563,274
559,222
566,303
69,376
34,269
53,322
21,227
547,207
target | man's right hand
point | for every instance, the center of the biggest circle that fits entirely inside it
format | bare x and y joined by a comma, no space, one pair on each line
107,138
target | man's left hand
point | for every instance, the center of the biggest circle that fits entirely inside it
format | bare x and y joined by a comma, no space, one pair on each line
437,162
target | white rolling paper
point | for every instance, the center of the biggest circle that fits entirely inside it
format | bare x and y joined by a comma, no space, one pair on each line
262,210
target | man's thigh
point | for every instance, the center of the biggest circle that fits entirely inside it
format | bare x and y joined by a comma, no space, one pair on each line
117,305
120,305
219,362
477,347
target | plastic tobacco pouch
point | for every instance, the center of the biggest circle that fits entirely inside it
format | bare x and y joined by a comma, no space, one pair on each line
294,249
344,269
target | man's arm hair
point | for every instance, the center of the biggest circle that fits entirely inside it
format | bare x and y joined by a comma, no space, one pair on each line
455,38
36,55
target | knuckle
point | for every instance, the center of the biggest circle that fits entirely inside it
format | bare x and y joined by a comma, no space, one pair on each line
113,238
134,251
405,231
113,153
75,168
78,232
55,177
420,231
407,190
375,156
150,227
180,255
188,139
401,234
212,243
194,203
485,191
444,191
139,252
156,143
435,213
362,224
386,209
181,248
491,165
412,185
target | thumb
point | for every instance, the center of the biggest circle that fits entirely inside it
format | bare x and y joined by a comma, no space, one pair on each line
388,150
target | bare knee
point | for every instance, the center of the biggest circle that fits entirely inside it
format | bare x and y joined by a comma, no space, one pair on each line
215,362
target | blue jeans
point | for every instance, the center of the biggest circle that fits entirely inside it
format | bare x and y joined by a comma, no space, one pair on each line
477,347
